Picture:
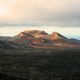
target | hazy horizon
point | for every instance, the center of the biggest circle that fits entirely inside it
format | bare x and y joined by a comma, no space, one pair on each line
67,32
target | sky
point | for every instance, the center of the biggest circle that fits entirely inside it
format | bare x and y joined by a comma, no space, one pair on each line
50,15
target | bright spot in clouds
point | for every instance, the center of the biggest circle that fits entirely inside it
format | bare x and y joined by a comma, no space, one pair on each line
3,10
41,12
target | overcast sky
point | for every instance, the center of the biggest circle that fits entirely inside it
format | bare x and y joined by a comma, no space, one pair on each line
59,13
40,12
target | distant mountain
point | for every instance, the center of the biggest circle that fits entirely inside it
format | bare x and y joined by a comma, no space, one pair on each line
4,38
75,40
8,45
38,39
41,39
4,43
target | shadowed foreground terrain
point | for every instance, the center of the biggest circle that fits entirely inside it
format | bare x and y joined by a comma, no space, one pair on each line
40,64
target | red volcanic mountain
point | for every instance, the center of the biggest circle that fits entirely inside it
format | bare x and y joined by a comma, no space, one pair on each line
22,38
36,33
41,39
56,36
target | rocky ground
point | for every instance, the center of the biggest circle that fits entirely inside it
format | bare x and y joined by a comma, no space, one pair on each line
40,64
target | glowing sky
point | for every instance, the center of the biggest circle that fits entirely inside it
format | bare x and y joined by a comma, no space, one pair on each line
68,32
41,12
56,13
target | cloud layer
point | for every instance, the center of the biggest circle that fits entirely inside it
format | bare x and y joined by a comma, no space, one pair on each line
40,12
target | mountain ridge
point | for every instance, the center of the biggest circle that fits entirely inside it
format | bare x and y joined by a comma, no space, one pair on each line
41,39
